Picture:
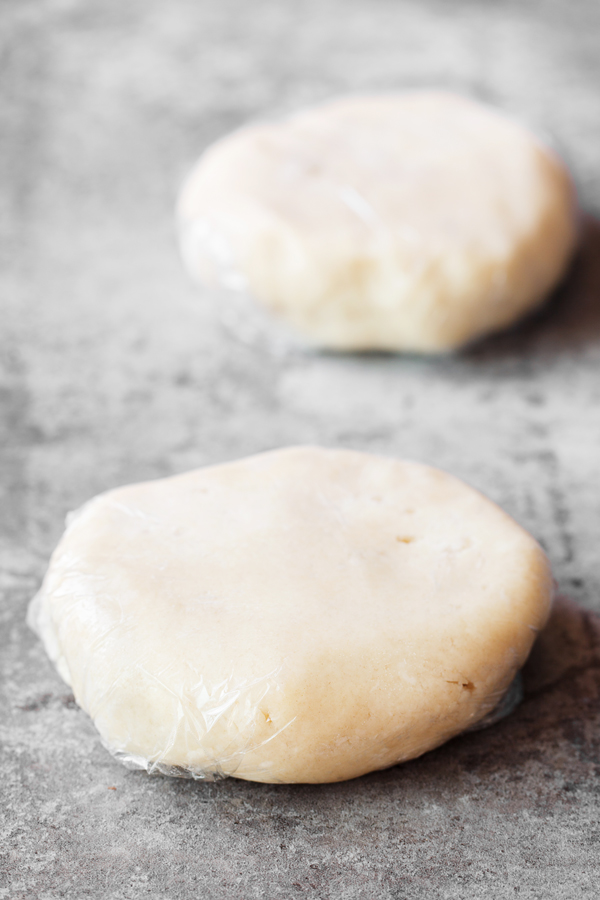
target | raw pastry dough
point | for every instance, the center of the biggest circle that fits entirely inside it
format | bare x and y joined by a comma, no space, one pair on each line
302,615
417,222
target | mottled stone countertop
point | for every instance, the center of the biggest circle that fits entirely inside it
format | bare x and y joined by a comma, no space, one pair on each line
113,368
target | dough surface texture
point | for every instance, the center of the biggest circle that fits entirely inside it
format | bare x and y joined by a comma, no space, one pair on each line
304,615
413,222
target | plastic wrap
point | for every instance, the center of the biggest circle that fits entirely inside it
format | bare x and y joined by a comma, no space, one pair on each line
214,707
506,705
190,666
209,259
374,223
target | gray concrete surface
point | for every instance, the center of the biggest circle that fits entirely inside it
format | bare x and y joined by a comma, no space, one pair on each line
114,369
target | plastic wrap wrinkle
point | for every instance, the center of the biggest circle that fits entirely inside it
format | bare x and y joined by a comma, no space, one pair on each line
235,308
508,702
356,203
202,239
212,706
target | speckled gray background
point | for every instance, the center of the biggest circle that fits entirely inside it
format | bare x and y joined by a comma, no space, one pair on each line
114,369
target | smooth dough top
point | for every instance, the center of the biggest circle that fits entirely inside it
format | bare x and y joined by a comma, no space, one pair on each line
302,615
417,221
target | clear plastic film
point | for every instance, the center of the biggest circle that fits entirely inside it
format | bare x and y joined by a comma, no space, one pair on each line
371,223
200,633
211,712
505,706
209,259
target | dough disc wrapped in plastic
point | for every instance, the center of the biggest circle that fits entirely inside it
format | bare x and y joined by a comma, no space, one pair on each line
415,222
304,615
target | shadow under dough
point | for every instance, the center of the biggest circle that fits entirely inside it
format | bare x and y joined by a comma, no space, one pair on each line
569,319
558,720
550,743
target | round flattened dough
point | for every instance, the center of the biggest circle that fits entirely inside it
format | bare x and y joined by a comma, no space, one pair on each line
415,222
302,615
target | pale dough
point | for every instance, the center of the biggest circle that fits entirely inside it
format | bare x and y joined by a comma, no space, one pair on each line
415,222
302,615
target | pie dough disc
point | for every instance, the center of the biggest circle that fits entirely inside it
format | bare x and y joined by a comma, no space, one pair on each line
415,222
305,615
